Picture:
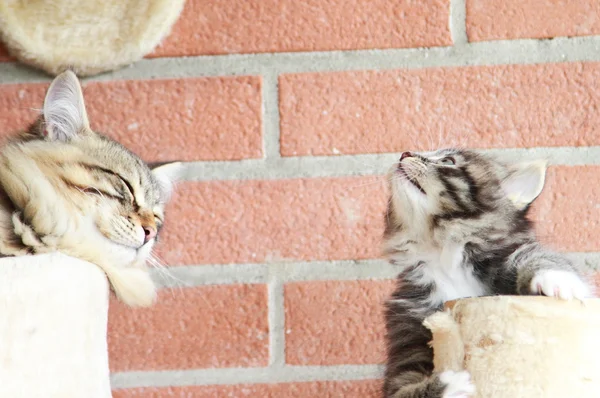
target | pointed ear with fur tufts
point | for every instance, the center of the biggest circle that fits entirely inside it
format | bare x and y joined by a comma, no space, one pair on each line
64,110
167,175
525,182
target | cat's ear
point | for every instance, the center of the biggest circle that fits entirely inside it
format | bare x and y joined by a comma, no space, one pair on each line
167,176
64,110
525,182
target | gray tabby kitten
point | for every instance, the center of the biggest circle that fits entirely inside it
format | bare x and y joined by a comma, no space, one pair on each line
457,226
67,188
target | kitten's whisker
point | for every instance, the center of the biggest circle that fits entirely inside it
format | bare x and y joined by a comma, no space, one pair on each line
164,272
374,181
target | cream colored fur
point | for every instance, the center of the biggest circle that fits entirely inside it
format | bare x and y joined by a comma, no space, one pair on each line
64,188
89,36
521,346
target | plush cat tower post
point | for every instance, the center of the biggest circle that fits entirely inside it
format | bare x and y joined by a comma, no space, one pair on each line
53,317
521,346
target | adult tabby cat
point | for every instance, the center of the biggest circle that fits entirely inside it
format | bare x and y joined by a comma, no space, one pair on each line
457,226
64,187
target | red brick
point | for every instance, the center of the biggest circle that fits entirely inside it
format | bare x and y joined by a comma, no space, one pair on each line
274,220
536,19
20,104
321,389
596,279
161,120
251,26
483,106
202,327
186,119
568,210
335,322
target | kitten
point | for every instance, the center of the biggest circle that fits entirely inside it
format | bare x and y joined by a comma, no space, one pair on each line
64,187
457,226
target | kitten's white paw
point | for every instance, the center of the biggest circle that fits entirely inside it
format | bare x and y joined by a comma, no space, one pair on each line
458,384
560,284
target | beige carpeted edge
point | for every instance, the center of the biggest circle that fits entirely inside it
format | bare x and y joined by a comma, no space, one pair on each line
89,36
53,322
516,346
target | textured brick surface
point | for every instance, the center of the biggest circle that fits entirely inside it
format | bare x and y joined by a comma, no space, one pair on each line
513,19
486,106
568,211
20,104
161,120
188,119
245,26
202,327
275,220
335,322
346,389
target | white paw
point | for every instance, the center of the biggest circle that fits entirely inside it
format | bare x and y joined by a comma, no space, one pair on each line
560,284
458,384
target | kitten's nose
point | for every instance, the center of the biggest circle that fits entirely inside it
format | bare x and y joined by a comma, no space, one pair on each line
405,155
149,233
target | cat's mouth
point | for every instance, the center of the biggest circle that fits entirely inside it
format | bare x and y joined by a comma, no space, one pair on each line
410,179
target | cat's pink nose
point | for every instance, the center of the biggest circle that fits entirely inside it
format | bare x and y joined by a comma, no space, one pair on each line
149,233
405,155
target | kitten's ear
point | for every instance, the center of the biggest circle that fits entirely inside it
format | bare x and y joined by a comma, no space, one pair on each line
167,175
64,111
525,182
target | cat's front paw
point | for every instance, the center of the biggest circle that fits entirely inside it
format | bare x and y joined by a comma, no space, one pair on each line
565,285
458,384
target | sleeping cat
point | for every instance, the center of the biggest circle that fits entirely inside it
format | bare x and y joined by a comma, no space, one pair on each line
457,226
64,187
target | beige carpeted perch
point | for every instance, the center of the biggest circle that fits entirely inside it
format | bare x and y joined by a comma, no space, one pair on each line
53,317
534,347
90,36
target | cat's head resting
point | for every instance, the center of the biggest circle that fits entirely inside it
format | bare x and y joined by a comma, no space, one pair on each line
107,205
454,194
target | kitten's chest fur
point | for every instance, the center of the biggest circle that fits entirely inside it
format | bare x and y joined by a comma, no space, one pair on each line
444,268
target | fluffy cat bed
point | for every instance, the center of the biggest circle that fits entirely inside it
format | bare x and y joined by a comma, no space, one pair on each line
521,346
54,311
89,36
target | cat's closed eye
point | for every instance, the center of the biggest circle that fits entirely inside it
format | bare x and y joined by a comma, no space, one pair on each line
129,187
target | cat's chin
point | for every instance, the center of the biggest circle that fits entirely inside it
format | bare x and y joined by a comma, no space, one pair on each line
133,286
144,252
130,257
129,275
408,199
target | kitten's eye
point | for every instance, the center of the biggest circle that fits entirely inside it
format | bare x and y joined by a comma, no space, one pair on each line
128,185
447,161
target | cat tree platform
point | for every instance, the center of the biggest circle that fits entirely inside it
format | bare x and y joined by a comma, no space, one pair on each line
53,317
521,346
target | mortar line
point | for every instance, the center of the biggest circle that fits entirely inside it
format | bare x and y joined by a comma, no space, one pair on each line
458,22
229,376
357,165
276,275
525,51
276,318
270,91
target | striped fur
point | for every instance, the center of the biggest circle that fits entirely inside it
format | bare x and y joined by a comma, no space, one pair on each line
457,226
64,187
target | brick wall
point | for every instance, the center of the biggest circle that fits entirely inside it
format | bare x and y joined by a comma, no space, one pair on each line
288,113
